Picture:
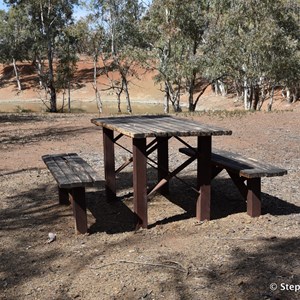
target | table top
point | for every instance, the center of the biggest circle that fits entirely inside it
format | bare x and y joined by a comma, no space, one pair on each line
143,126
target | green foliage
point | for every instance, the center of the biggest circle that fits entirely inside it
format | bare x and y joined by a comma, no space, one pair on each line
251,39
252,45
67,59
47,20
175,32
15,35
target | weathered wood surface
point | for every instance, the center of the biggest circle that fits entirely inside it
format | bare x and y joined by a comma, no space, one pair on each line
158,126
70,170
243,166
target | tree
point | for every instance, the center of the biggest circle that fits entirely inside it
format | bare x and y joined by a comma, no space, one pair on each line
15,39
175,32
48,19
90,35
120,21
166,52
254,44
66,66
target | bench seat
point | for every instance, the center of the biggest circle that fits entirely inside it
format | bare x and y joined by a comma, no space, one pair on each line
73,175
242,169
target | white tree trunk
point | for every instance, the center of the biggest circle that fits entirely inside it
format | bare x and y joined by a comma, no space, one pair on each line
246,95
97,94
221,87
17,75
40,72
288,95
271,99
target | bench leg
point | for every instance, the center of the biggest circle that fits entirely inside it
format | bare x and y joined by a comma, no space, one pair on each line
240,184
63,196
77,197
254,197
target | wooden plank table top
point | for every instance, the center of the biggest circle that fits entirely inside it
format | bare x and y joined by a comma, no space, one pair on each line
158,126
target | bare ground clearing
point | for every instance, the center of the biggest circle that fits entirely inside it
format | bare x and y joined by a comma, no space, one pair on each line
231,257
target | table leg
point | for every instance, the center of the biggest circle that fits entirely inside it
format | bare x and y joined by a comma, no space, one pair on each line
109,164
140,182
163,162
204,178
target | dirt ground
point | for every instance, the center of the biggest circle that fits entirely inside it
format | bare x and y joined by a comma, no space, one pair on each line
233,256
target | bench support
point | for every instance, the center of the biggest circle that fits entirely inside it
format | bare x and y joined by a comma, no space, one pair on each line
254,197
77,198
241,170
251,192
63,196
73,175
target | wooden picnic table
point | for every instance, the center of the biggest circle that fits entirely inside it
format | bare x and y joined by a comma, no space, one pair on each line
160,128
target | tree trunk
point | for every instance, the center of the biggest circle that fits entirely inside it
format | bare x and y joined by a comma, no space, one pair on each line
221,88
191,87
246,91
40,70
271,99
51,86
97,93
191,94
177,100
119,100
166,99
250,100
288,95
69,96
125,85
256,97
63,100
17,75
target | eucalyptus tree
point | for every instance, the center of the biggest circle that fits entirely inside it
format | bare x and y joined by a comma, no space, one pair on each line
255,44
120,20
48,19
66,54
90,35
166,52
175,32
15,39
192,22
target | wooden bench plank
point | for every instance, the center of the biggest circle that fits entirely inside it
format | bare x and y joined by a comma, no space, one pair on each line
94,177
73,178
247,167
72,174
60,177
70,170
244,167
